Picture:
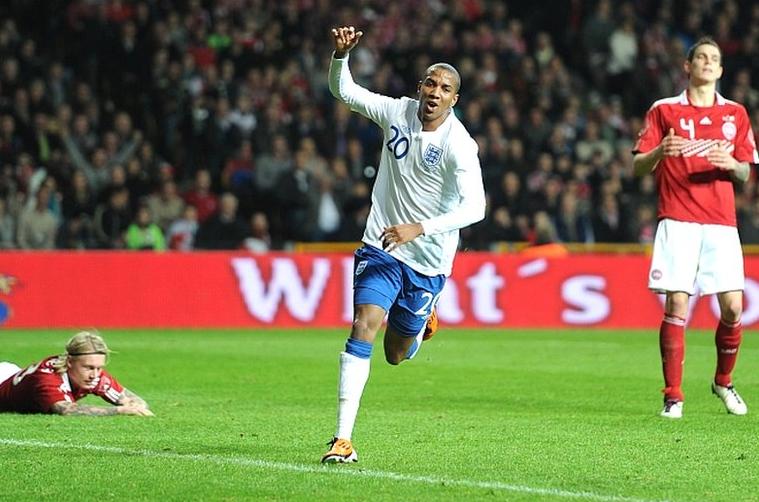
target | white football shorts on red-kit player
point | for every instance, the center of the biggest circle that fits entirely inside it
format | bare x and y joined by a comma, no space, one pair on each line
688,254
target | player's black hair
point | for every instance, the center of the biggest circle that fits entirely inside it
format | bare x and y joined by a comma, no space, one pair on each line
706,40
450,69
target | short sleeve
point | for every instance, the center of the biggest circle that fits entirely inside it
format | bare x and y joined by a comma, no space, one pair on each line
651,134
745,141
47,391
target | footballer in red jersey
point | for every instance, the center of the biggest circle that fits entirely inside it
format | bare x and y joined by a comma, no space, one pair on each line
55,384
697,145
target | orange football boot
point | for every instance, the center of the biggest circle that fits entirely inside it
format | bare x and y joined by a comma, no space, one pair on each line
432,325
341,452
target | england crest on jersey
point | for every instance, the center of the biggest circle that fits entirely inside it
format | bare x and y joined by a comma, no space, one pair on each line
361,267
432,156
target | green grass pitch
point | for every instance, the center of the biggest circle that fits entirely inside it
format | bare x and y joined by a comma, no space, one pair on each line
478,415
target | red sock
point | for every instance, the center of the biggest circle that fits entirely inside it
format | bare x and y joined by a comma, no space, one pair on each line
672,348
727,339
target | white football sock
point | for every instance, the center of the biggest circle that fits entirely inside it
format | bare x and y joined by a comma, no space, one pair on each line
354,372
414,349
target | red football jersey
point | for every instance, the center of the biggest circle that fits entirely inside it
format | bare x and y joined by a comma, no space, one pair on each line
690,188
38,387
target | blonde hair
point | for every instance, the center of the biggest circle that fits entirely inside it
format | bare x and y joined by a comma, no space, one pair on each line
83,343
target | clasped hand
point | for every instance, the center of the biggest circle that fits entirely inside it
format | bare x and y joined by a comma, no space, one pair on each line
346,38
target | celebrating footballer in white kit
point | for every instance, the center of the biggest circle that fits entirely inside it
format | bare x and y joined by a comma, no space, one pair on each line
428,186
697,144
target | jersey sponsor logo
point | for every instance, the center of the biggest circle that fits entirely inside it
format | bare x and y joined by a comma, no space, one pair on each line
361,267
700,147
705,121
656,274
729,130
432,155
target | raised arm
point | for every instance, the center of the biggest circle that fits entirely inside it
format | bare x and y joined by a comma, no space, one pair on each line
346,38
342,86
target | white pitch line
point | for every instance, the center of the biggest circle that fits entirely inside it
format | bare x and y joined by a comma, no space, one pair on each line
322,469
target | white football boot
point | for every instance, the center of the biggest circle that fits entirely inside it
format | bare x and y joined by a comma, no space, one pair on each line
672,409
730,398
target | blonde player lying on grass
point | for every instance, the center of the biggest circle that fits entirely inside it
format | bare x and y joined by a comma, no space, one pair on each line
55,384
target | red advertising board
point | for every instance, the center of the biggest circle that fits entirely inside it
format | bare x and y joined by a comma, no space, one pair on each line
133,289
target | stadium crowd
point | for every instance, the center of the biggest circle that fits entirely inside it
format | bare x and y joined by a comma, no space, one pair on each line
194,124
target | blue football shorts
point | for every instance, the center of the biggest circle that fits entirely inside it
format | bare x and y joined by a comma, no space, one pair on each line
408,296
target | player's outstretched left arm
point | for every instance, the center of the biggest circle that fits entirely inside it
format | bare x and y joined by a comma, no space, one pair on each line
129,398
720,158
67,408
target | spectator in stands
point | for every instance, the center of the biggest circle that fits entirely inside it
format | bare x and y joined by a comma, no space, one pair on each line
82,135
243,117
166,205
7,226
112,219
225,229
117,179
497,227
181,233
509,194
298,199
55,384
79,200
201,197
259,240
572,224
143,234
37,225
11,142
239,170
609,224
138,181
270,166
596,33
591,144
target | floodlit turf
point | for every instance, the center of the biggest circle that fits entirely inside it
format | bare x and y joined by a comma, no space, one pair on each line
516,415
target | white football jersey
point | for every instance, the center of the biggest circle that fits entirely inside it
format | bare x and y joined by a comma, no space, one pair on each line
428,177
